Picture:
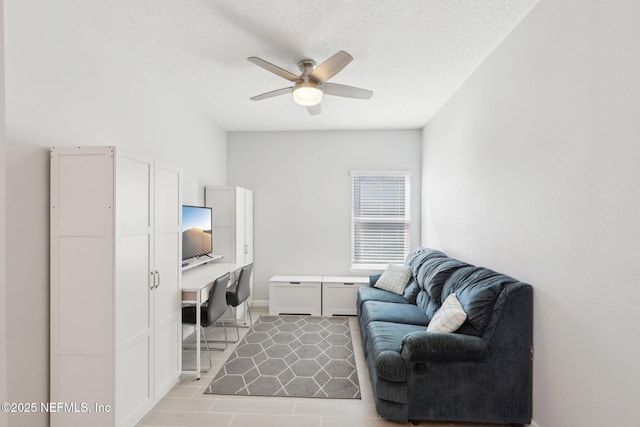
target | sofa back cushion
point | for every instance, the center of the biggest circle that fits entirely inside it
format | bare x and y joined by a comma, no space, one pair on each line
477,289
419,255
430,271
411,291
414,260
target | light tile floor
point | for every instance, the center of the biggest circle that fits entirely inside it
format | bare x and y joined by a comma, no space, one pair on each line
186,405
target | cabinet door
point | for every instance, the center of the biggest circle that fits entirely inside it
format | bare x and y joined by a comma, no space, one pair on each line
82,239
222,201
133,315
241,248
248,226
248,238
166,294
244,226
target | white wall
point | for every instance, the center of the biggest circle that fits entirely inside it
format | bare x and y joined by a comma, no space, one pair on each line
302,193
67,85
532,169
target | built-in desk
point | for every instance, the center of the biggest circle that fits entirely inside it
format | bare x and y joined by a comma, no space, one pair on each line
196,285
198,262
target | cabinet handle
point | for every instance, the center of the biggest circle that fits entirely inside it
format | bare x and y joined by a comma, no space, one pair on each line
156,280
294,283
349,283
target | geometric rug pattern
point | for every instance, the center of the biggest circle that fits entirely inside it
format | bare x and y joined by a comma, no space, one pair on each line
298,356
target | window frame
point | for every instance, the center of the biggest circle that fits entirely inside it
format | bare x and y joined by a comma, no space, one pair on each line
357,263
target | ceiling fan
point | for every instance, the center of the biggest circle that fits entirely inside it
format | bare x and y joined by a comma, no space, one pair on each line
309,86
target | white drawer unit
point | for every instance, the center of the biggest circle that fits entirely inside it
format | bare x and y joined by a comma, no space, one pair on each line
339,294
295,295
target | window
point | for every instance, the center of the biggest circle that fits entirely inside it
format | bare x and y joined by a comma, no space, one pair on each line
379,218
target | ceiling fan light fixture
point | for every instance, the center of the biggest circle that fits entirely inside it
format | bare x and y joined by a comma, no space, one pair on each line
310,86
307,93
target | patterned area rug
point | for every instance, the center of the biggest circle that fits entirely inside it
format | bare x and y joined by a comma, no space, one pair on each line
292,356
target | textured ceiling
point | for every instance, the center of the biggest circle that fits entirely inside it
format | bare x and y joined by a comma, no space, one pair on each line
413,54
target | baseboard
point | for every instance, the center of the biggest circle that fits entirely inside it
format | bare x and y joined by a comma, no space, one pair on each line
259,303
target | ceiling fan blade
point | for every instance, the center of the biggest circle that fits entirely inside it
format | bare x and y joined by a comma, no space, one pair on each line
331,67
314,109
273,93
274,69
346,91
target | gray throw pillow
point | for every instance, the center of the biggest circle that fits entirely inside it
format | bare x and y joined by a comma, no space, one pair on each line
394,279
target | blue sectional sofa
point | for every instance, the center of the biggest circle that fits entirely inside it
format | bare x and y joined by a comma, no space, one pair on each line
480,373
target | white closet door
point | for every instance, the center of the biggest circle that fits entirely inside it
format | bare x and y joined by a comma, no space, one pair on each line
166,295
81,282
241,248
248,236
248,226
133,317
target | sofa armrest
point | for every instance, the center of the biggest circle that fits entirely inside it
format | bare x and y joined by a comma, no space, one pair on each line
442,347
374,278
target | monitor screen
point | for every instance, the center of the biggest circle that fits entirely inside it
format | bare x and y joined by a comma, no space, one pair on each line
197,239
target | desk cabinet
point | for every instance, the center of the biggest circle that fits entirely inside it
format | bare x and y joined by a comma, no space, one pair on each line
115,284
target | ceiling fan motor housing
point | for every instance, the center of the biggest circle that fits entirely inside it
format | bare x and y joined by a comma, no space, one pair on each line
306,66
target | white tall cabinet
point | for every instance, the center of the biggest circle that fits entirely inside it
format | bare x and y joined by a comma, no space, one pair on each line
232,209
115,284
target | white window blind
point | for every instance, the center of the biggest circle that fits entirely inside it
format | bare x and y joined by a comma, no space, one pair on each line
379,219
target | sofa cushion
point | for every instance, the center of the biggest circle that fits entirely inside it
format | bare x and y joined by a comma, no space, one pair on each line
449,317
477,289
374,278
418,255
431,276
373,311
414,260
374,294
411,291
434,274
394,279
384,346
